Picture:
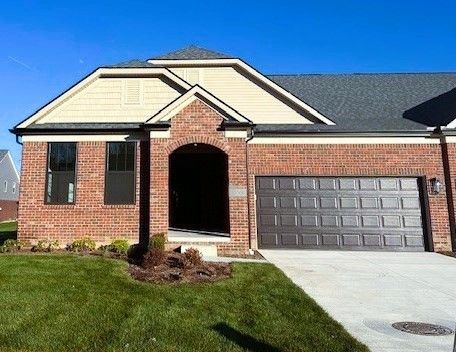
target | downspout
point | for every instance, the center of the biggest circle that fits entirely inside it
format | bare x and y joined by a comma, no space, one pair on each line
252,133
17,140
448,186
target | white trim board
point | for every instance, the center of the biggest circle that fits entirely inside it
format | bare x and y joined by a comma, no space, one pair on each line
344,140
81,138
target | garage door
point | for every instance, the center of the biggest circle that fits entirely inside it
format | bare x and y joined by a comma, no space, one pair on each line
339,213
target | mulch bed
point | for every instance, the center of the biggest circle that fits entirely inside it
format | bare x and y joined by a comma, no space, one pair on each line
449,254
175,268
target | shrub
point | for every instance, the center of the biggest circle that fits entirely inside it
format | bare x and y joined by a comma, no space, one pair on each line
11,245
117,246
157,241
193,257
46,246
83,245
153,258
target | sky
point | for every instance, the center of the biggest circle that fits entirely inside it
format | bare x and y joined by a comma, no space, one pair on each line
46,46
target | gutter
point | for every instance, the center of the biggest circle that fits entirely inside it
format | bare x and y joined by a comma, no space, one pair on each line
340,133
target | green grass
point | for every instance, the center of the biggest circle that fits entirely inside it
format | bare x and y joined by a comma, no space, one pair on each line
7,230
8,226
81,303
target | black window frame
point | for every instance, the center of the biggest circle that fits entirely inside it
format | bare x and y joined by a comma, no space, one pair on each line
48,201
107,197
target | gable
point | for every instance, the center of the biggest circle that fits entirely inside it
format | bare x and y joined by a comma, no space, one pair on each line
242,93
114,100
108,95
198,93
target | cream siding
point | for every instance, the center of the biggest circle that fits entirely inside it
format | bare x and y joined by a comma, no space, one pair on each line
114,100
242,94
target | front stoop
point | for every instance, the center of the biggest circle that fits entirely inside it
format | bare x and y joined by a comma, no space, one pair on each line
206,249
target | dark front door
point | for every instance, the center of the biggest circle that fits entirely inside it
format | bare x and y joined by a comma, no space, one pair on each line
340,213
199,189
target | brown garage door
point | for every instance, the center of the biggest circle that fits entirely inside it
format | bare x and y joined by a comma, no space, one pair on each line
340,213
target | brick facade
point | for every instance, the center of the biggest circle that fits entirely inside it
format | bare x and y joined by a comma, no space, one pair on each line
355,160
88,216
198,123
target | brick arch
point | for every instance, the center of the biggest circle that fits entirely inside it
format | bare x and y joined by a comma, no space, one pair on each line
171,147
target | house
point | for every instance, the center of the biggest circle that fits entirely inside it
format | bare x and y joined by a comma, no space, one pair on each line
202,146
9,187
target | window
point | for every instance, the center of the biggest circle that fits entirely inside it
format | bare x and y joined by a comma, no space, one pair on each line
14,188
120,182
60,182
5,186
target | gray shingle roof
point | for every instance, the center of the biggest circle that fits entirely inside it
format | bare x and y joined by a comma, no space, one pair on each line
3,153
377,101
192,52
132,64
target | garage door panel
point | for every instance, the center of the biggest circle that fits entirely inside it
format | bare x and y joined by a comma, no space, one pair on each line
289,239
352,213
307,183
393,240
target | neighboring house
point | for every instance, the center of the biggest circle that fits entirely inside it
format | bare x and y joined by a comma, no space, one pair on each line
201,141
9,187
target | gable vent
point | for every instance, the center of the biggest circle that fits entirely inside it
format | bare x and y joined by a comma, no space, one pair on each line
132,92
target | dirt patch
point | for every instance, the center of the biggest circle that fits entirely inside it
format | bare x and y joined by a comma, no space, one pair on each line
449,254
175,267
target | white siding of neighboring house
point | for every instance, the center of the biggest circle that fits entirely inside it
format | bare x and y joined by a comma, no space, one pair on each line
114,100
8,174
241,93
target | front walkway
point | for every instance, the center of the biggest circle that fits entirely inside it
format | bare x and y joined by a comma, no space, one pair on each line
368,291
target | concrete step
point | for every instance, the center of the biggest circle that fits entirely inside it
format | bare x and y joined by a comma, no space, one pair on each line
207,250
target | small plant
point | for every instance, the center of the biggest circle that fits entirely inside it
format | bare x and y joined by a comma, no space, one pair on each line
46,246
11,245
157,241
153,258
193,257
117,246
85,244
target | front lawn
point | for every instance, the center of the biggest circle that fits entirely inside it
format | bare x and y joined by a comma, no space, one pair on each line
8,226
82,303
7,230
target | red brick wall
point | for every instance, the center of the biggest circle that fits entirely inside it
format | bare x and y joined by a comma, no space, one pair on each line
8,210
354,160
88,216
198,123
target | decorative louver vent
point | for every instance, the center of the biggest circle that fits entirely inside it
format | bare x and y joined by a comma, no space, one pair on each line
132,92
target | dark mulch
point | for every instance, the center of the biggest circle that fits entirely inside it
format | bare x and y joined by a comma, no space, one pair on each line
176,268
449,254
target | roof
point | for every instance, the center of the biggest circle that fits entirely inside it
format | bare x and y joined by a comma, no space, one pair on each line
193,52
377,102
132,64
3,153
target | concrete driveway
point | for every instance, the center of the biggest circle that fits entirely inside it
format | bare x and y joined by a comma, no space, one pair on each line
368,291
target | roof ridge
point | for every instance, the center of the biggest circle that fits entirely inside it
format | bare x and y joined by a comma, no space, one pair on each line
192,52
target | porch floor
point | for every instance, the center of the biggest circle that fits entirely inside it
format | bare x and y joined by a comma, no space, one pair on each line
181,235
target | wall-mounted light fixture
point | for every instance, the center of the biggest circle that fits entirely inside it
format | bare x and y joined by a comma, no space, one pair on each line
436,185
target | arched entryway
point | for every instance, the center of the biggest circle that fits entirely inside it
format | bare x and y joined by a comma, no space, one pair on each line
198,189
